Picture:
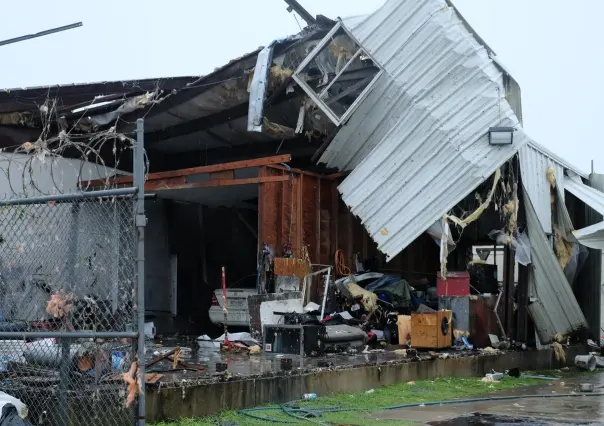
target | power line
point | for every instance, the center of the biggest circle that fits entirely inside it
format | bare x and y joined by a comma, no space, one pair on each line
40,34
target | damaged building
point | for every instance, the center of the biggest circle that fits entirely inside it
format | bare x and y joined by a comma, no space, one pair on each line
389,143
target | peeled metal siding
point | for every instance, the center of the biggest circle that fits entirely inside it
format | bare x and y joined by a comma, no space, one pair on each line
534,164
555,309
590,196
418,143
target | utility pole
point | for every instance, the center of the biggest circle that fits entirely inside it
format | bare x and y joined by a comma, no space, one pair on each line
40,34
297,7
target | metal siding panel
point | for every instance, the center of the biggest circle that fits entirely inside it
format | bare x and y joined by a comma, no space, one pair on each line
418,143
555,310
590,196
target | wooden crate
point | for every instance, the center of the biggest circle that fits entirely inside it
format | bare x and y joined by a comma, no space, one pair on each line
427,330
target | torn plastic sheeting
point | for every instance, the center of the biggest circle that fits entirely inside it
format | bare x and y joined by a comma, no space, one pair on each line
11,417
436,232
128,106
576,261
523,249
237,337
520,242
570,253
7,400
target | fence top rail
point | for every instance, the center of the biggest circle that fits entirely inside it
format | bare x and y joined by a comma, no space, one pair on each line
76,196
69,334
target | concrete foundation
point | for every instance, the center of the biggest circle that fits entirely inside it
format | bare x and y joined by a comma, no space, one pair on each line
171,401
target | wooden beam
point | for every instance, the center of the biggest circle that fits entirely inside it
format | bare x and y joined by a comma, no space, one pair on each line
256,162
162,186
296,171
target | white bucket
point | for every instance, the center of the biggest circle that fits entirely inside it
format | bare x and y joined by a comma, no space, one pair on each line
587,362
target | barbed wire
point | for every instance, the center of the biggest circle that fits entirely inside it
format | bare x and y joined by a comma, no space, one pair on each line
65,158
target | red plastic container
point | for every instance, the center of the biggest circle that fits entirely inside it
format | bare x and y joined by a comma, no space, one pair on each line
454,284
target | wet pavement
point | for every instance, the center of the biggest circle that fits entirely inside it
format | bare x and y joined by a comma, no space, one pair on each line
548,407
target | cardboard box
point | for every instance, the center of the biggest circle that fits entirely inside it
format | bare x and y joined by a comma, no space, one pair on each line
404,328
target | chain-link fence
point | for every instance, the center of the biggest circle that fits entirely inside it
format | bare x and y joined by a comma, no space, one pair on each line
68,307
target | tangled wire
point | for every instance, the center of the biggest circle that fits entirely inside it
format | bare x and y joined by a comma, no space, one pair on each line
63,158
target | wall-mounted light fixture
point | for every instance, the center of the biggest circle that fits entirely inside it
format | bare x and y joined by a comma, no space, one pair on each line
501,135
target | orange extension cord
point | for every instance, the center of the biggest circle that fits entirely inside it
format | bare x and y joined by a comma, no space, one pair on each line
341,269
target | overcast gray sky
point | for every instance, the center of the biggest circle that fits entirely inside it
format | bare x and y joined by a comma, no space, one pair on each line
552,47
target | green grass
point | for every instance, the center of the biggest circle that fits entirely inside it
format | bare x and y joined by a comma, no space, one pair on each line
362,404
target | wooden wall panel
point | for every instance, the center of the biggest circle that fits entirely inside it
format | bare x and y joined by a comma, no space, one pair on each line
307,210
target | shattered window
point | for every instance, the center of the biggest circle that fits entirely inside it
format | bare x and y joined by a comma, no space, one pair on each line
337,74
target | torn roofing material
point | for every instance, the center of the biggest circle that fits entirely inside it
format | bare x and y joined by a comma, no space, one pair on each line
553,306
590,236
590,196
418,143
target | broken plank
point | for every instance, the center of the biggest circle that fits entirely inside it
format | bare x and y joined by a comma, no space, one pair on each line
153,378
295,171
161,357
243,164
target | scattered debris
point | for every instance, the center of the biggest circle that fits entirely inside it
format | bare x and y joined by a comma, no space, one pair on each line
586,362
60,304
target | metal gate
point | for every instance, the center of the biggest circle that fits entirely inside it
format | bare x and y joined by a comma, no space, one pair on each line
72,305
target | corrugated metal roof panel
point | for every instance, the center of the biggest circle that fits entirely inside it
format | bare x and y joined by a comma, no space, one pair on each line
418,143
533,166
590,196
555,309
557,159
591,236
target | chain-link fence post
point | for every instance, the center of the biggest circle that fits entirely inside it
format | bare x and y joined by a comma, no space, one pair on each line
141,222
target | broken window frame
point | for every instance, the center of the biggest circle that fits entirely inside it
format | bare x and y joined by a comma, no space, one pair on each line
316,97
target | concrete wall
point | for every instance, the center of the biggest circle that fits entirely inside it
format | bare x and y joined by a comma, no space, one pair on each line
24,175
78,247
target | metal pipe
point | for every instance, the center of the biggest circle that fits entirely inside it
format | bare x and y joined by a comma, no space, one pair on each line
118,192
64,380
497,315
40,34
141,222
297,7
68,335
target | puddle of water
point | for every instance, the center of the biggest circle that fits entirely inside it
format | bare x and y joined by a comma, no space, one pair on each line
497,420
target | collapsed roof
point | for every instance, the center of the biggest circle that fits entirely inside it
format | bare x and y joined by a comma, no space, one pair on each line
403,99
